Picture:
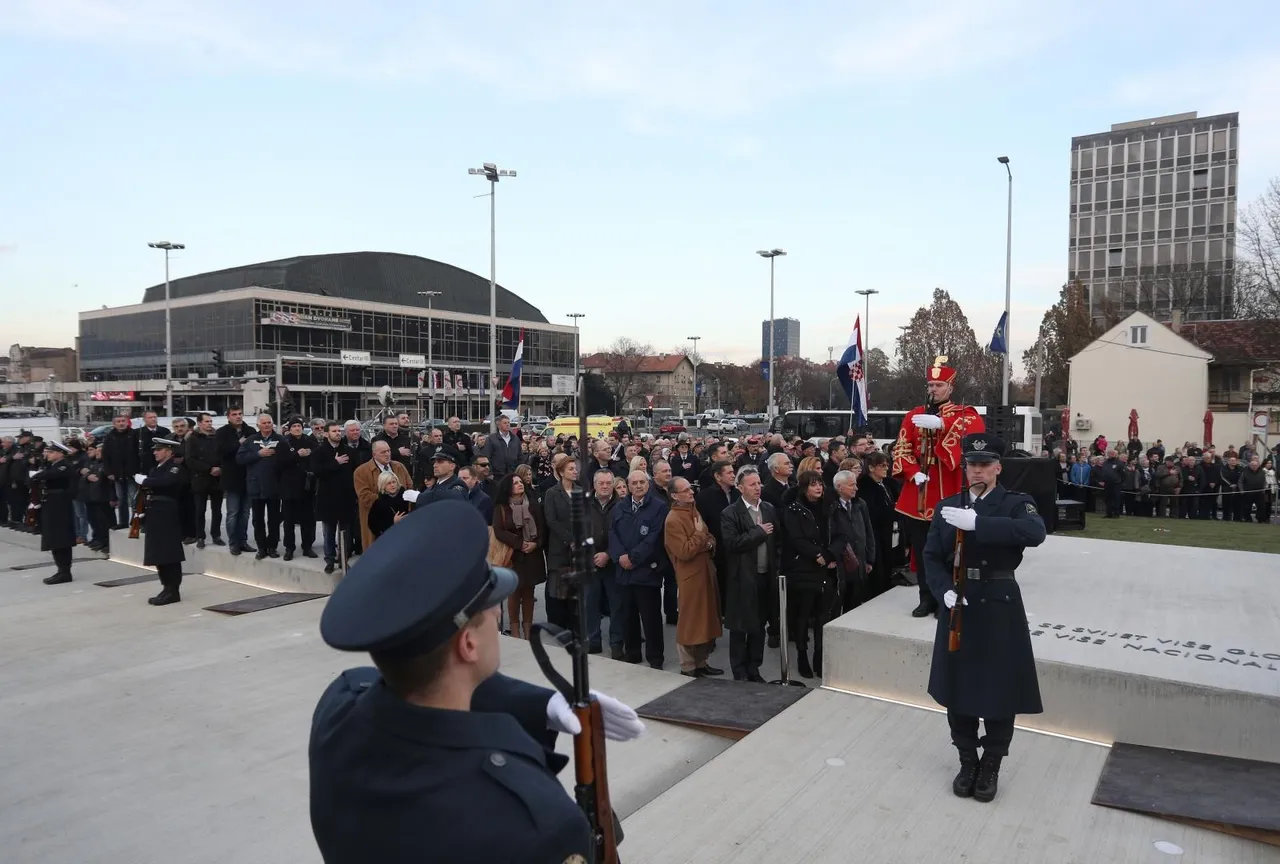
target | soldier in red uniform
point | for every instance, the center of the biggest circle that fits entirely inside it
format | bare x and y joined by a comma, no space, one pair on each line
927,462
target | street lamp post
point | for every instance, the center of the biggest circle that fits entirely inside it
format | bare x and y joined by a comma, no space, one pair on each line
431,389
1008,273
771,254
577,355
493,174
168,333
866,340
694,360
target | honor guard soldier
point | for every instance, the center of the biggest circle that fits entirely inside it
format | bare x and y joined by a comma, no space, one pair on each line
926,461
983,666
433,755
57,517
162,532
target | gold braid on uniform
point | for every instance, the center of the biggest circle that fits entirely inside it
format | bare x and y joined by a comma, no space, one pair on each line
957,431
902,451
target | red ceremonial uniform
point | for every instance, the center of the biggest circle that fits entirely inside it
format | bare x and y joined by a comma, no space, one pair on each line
946,476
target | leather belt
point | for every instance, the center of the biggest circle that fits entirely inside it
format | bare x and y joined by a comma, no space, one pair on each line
979,575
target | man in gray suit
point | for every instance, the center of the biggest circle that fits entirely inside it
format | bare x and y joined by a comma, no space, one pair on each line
748,527
502,448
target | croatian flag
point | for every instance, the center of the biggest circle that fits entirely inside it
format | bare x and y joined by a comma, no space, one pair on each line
511,393
851,372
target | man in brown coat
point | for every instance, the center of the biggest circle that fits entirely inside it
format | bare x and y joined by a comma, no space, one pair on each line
366,482
691,546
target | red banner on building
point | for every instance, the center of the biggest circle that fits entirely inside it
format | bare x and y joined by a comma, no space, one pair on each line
113,396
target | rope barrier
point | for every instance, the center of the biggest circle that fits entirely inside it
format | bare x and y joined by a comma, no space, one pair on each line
1178,494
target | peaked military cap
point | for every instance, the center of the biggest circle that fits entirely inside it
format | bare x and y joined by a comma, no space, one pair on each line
418,585
983,447
164,442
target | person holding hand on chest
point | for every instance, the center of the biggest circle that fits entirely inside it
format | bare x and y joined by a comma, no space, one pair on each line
991,673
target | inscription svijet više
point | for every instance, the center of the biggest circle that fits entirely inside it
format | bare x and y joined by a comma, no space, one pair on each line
1187,649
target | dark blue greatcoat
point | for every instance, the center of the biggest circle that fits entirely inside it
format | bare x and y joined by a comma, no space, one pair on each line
637,533
993,675
392,781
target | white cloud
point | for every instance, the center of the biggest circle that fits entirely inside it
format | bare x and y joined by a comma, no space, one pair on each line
1246,84
662,58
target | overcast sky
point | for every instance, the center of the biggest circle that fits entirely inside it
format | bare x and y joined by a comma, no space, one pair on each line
658,146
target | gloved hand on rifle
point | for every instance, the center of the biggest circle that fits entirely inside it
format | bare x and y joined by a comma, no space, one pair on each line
950,599
927,421
920,478
621,723
961,517
139,478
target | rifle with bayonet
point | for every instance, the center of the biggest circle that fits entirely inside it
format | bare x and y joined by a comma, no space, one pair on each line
591,787
959,578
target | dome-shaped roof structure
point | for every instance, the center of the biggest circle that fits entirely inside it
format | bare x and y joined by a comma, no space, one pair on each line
378,277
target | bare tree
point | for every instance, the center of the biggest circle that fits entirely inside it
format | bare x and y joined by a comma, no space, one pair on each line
941,328
1066,329
1258,266
1192,291
623,360
684,350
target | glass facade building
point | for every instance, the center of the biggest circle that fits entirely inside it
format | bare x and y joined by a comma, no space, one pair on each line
1153,217
333,354
786,338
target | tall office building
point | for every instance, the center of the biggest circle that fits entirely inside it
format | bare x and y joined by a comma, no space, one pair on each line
786,338
1153,217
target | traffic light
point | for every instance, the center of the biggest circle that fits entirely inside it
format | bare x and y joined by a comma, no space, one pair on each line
217,361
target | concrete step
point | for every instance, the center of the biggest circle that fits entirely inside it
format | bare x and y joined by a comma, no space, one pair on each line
839,778
1157,645
300,574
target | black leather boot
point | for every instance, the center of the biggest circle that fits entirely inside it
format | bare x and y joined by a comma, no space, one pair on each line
59,578
166,596
968,775
802,662
924,609
988,778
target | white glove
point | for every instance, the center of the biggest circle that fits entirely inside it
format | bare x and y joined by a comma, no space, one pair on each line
921,478
32,473
927,421
950,599
410,495
620,722
961,517
139,478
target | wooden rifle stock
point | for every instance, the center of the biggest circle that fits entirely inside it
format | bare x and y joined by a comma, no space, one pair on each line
33,503
139,511
959,579
592,777
926,464
959,576
591,771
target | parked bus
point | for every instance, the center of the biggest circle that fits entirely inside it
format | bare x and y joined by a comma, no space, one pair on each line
885,425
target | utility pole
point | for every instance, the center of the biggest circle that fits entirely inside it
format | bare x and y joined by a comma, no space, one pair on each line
168,332
1008,271
771,254
493,174
694,360
431,390
577,357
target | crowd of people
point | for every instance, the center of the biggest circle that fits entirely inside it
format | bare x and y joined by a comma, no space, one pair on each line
690,532
687,532
1187,482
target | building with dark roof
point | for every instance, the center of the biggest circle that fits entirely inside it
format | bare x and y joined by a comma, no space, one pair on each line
379,277
1153,217
335,329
